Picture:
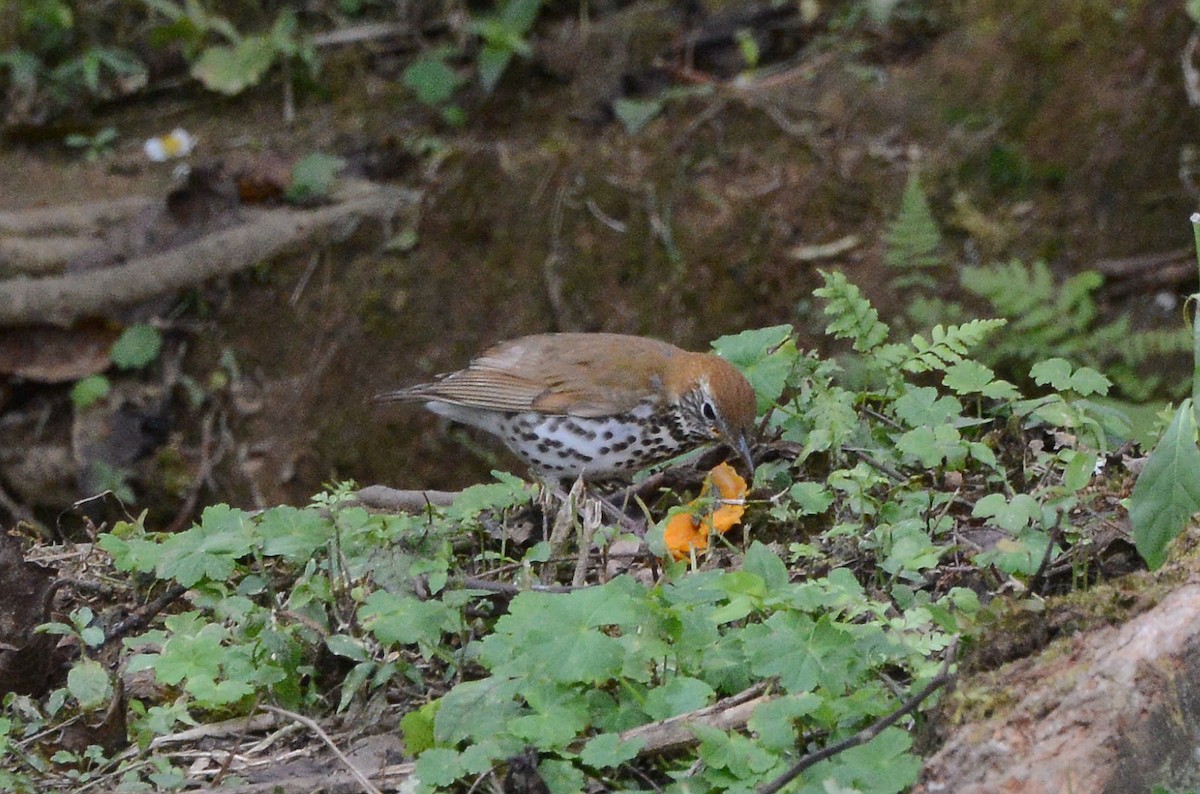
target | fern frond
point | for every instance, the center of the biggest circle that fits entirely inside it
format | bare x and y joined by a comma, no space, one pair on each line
853,316
913,240
947,345
1138,347
1012,289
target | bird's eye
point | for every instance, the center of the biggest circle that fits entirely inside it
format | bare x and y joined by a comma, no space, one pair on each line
708,412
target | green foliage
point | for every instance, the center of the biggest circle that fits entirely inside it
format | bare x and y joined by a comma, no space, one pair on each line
328,608
313,178
55,60
222,58
636,113
609,657
137,346
913,239
503,36
1167,493
94,147
1046,318
90,390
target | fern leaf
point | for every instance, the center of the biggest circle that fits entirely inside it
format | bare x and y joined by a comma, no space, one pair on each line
853,316
913,240
947,345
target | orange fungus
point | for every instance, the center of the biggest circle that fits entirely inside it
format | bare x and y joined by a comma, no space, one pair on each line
687,531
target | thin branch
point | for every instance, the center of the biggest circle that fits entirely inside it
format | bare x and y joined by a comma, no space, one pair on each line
142,616
870,732
676,732
312,725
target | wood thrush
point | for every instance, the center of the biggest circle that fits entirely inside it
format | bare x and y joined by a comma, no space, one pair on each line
600,406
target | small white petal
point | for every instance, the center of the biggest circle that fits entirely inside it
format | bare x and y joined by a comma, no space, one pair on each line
155,150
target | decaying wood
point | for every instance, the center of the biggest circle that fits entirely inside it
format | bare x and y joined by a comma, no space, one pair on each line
1112,710
263,236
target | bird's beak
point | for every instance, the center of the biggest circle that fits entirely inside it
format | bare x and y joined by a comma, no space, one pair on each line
741,446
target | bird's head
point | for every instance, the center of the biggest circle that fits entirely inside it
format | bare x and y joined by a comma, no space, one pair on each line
717,403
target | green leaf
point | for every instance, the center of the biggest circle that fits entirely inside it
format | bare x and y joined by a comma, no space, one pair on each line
137,346
405,620
89,684
804,653
1012,515
1087,381
810,498
313,178
90,390
510,491
561,777
231,70
432,79
852,315
417,728
765,564
492,63
439,767
477,709
1167,492
931,446
921,406
348,647
1053,371
678,696
208,551
636,113
766,356
608,750
913,239
971,377
774,722
292,533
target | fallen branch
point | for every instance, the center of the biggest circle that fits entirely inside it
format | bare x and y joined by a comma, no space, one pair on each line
676,732
37,255
72,219
263,236
381,497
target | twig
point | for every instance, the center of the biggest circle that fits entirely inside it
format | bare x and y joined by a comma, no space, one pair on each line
140,617
870,732
208,460
312,725
20,512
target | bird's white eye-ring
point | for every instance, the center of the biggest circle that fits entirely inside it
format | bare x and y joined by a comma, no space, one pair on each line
708,412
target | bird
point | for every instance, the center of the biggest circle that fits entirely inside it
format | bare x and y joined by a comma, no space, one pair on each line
595,406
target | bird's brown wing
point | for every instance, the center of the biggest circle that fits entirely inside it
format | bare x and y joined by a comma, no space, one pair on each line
556,374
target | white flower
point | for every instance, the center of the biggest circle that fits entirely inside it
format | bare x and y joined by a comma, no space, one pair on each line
166,147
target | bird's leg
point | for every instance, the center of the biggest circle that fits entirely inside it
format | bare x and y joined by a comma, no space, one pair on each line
589,522
626,522
565,519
